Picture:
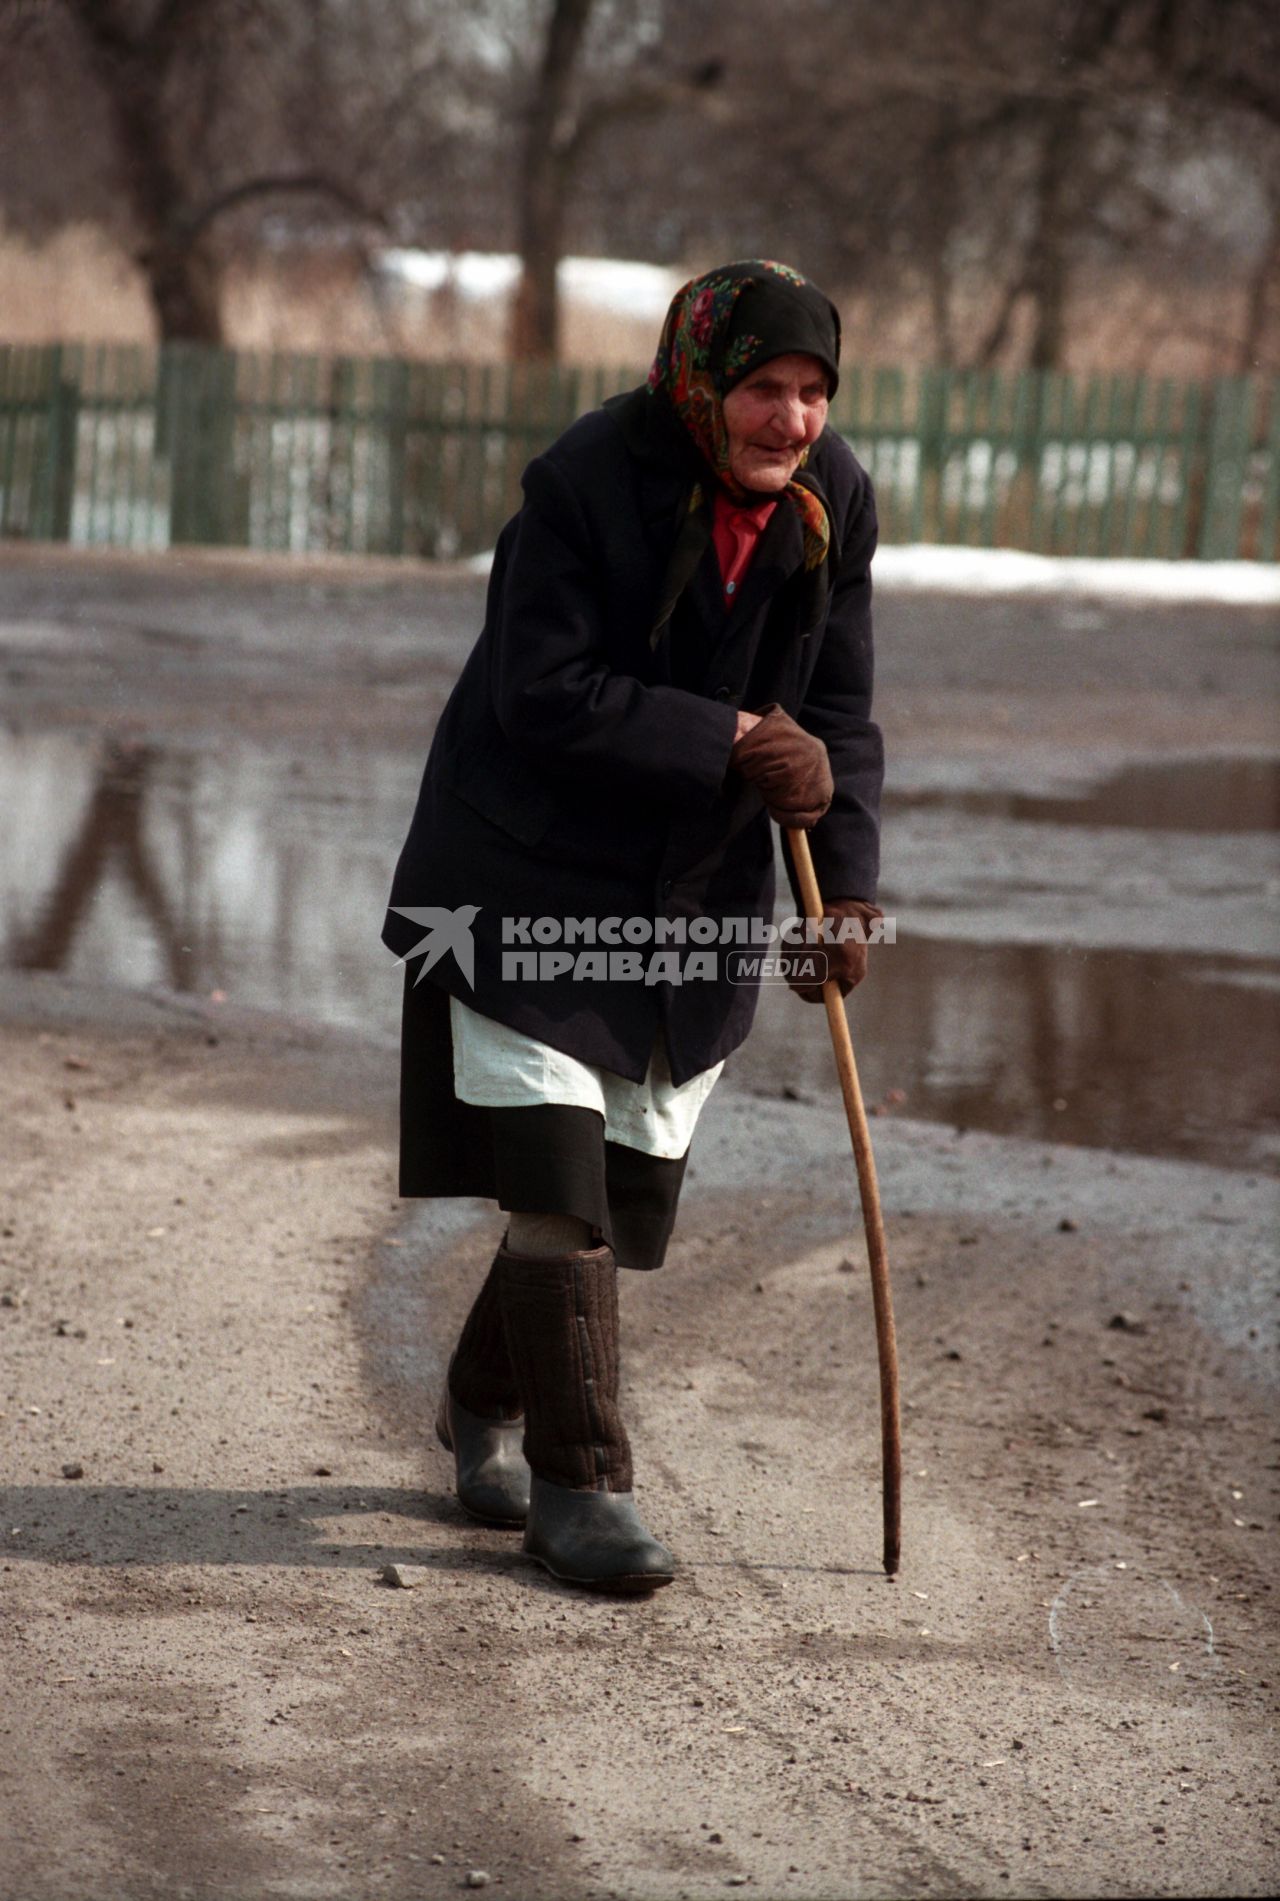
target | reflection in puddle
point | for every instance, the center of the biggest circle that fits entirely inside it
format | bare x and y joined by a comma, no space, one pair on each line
1151,1051
108,838
1185,795
236,869
264,875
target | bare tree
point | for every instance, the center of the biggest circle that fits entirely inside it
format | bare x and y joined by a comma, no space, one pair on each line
583,93
1006,157
982,164
550,146
134,64
187,136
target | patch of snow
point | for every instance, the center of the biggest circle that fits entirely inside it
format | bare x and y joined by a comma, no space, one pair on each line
475,274
615,283
607,283
922,568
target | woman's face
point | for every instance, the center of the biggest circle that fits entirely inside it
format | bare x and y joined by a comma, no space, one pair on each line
772,416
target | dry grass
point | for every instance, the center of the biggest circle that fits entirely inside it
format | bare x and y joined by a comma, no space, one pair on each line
78,285
1119,322
75,285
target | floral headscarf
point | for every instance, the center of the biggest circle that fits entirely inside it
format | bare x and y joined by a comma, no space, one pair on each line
711,339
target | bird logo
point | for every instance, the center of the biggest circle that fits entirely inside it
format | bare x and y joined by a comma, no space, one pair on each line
446,931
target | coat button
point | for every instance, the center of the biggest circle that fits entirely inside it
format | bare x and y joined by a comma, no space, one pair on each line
666,887
723,693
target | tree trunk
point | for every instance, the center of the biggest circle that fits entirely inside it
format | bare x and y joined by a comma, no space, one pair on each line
544,179
1046,276
181,273
1063,185
183,280
182,276
943,217
1263,282
535,318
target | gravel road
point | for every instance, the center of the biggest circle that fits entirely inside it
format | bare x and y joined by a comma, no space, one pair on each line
220,1319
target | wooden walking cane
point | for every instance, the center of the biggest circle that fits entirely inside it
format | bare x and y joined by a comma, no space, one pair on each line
868,1189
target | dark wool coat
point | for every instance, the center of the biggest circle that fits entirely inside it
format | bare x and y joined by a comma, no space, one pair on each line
580,772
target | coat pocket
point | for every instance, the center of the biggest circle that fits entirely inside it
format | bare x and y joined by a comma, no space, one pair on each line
505,792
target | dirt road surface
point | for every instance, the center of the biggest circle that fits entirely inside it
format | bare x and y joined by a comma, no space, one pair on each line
222,1340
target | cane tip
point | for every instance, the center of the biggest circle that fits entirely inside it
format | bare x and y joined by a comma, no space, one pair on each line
891,1564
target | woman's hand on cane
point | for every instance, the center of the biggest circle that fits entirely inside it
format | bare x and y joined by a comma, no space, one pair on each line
788,767
845,948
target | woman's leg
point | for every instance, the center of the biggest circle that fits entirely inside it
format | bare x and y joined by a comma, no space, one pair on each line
479,1419
543,1236
481,1376
560,1311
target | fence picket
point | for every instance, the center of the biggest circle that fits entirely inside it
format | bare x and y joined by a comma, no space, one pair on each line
1266,545
1183,520
1088,515
1229,433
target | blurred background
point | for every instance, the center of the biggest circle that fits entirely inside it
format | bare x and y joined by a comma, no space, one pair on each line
1053,184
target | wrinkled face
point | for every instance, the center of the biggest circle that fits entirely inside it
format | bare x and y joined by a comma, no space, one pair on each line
772,416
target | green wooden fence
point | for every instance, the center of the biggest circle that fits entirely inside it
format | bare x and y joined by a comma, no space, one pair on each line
146,448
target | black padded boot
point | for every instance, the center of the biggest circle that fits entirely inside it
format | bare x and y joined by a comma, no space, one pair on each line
479,1420
491,1472
595,1539
561,1321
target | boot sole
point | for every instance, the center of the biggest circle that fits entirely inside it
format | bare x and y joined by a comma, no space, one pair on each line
488,1518
627,1584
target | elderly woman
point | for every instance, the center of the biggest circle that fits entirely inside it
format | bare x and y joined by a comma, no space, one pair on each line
676,649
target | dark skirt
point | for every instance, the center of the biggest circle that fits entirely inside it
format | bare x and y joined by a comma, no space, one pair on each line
548,1159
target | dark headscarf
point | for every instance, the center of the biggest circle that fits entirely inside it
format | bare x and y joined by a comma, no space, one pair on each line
720,327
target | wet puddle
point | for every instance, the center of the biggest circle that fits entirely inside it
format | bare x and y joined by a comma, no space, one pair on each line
1147,1051
1185,795
1096,968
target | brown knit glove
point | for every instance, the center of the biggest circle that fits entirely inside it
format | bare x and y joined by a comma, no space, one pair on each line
846,962
789,767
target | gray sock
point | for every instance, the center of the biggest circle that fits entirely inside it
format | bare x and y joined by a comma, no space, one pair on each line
541,1237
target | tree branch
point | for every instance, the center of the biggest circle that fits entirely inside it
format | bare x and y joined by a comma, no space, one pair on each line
199,220
101,25
994,340
640,101
168,24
